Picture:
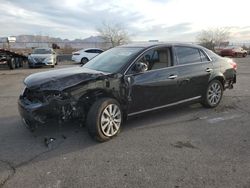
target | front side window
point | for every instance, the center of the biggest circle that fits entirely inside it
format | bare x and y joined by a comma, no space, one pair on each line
186,55
153,59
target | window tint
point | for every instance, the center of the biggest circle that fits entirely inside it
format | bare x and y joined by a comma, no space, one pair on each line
98,51
154,59
90,51
187,55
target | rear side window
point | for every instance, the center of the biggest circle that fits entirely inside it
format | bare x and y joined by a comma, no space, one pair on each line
187,55
203,56
90,51
98,51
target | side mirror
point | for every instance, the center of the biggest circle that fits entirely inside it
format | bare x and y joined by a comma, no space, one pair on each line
141,67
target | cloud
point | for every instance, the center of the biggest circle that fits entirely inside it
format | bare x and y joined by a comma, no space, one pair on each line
144,19
182,32
51,16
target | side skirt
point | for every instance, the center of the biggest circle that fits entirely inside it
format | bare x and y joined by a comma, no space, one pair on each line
165,106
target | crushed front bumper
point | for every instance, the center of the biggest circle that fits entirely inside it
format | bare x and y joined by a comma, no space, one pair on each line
35,113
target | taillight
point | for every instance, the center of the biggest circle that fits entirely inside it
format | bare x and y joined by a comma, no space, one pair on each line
76,53
234,65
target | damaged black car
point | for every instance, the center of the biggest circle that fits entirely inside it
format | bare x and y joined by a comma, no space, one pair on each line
126,81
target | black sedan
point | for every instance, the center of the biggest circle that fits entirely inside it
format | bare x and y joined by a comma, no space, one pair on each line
125,81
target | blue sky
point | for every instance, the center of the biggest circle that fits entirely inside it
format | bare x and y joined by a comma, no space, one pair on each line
165,20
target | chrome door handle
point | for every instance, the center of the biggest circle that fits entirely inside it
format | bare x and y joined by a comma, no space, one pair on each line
172,76
208,70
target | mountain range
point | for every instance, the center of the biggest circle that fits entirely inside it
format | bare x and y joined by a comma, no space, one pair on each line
34,41
41,38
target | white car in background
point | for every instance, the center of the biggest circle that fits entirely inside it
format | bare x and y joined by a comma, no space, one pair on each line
84,55
42,57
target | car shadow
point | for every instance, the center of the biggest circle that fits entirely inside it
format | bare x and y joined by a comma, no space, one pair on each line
165,116
18,146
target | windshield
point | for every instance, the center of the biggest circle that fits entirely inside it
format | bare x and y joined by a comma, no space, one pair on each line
41,51
112,60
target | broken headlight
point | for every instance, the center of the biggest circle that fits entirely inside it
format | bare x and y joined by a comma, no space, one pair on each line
56,95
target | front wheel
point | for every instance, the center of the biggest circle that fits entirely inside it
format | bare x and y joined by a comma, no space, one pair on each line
104,119
213,94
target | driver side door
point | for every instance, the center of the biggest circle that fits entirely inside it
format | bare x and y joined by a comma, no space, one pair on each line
155,87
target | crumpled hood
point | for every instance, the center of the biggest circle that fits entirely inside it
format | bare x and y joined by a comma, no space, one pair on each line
61,78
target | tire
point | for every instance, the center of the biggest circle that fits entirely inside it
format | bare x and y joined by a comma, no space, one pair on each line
17,62
245,55
31,127
102,123
213,94
21,63
12,63
84,60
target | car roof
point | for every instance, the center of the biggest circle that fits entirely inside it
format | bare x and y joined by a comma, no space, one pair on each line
155,44
90,49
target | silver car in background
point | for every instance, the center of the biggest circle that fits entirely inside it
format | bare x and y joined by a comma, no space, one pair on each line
42,57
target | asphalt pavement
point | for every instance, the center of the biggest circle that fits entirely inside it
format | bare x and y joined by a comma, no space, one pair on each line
184,146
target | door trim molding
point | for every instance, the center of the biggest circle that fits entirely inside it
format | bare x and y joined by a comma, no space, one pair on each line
164,106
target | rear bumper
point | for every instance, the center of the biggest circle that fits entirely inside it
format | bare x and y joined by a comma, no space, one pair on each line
76,59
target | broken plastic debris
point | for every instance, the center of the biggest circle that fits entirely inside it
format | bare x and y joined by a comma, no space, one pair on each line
48,141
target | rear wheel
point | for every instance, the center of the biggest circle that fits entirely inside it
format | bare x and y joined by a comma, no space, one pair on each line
12,63
104,119
213,94
84,60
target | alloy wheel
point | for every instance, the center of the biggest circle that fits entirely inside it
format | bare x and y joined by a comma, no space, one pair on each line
111,120
214,93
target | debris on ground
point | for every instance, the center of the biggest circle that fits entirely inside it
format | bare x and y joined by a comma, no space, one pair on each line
48,141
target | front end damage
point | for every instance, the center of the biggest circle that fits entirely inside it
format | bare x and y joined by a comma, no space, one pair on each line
39,107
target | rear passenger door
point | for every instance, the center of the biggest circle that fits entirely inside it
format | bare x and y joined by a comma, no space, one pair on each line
194,70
